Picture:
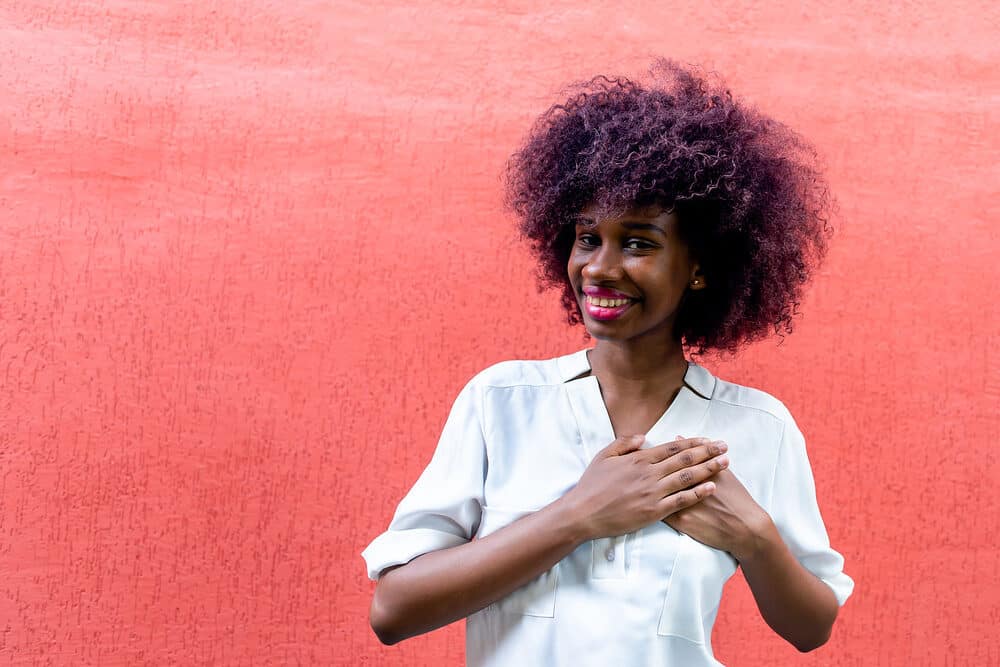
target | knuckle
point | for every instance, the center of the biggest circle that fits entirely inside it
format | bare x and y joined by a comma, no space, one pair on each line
685,477
687,458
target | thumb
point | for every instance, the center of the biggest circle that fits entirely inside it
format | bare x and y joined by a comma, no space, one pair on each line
624,445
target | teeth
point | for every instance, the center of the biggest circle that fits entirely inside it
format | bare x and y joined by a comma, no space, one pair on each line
606,303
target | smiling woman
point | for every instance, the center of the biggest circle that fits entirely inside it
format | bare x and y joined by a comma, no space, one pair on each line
587,509
639,262
750,202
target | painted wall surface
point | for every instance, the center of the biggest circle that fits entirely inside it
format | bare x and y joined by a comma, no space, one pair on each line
250,251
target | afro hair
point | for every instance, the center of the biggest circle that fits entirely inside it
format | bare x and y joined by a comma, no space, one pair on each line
751,201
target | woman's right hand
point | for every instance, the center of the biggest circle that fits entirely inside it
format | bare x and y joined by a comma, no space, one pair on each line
626,488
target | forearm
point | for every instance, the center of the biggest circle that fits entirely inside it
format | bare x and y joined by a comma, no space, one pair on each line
794,602
443,586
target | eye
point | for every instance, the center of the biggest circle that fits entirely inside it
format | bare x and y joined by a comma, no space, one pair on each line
638,244
588,240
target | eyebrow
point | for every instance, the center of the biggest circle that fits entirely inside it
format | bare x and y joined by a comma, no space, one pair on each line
628,224
647,226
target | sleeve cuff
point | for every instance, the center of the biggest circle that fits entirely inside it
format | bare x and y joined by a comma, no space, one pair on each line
397,547
827,565
842,586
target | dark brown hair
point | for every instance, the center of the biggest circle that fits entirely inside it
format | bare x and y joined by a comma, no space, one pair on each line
751,201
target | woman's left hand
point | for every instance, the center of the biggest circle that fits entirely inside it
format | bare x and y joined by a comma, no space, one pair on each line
729,519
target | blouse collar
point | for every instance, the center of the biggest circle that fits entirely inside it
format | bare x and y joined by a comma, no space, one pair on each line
697,378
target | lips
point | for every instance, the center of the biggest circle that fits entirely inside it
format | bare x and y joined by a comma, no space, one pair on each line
604,304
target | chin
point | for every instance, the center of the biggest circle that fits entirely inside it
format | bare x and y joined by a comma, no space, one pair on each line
603,332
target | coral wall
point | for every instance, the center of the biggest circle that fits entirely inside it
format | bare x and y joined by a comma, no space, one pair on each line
250,251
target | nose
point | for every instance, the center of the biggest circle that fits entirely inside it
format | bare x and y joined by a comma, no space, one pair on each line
604,264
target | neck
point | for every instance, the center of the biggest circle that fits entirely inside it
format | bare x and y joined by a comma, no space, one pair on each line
641,369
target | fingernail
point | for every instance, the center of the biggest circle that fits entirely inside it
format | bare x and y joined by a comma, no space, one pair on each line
723,460
722,446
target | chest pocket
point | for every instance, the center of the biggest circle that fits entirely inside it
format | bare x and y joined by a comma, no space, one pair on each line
695,590
538,596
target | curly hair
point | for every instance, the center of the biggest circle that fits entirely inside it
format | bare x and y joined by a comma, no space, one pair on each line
751,201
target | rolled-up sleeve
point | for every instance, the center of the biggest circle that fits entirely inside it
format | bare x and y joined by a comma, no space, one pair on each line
796,514
444,507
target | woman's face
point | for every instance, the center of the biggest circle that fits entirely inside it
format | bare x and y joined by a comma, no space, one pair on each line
629,271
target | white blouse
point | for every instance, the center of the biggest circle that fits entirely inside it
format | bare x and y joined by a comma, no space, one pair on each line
519,436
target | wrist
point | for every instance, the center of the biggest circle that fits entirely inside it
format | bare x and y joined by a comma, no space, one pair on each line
760,541
572,522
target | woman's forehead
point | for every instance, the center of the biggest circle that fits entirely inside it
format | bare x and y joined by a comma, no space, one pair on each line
652,213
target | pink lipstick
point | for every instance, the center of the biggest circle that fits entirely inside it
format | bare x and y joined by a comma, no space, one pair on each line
604,304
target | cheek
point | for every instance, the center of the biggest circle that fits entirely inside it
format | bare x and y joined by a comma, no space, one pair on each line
574,266
669,281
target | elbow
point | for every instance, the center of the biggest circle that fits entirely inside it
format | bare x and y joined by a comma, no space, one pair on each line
807,644
813,635
386,636
385,633
385,615
806,647
382,622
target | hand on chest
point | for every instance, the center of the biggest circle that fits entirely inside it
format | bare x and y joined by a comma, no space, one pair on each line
540,440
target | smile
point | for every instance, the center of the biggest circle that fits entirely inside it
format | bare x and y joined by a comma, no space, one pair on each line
606,303
601,308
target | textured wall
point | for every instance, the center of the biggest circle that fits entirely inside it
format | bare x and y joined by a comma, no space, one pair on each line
250,251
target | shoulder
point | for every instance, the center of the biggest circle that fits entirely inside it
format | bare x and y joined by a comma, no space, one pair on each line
765,426
518,372
744,398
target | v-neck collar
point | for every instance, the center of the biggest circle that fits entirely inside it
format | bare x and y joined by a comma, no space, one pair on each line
685,416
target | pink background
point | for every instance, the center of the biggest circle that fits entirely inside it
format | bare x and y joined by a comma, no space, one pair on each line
249,252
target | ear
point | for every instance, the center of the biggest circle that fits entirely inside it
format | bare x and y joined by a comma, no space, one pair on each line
697,278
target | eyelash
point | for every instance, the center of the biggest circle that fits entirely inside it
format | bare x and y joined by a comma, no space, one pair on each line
586,240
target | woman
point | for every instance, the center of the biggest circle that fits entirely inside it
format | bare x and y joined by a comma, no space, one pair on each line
611,492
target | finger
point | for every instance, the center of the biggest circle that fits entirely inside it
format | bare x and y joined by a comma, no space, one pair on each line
691,456
668,449
623,445
694,474
681,500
